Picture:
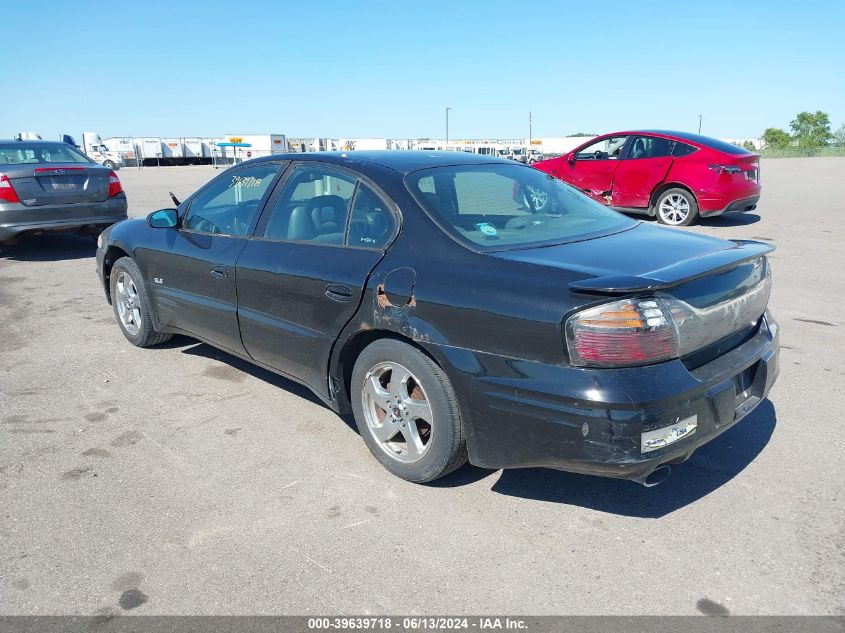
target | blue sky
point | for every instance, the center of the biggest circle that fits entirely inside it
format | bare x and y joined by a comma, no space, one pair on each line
389,69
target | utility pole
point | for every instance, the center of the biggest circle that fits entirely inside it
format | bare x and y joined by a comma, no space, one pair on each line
447,124
699,124
530,122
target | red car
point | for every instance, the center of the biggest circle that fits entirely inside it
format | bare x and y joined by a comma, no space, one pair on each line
672,175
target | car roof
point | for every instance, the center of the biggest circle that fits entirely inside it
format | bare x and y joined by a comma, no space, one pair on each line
696,139
403,161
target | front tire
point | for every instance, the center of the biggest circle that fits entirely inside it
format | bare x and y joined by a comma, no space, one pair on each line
676,207
407,411
132,305
109,164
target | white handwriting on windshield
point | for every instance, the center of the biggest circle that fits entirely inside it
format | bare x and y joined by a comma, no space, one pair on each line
246,182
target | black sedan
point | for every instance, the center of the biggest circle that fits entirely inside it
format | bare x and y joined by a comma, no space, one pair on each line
462,307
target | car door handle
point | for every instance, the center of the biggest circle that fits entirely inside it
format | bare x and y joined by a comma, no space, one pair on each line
339,292
219,272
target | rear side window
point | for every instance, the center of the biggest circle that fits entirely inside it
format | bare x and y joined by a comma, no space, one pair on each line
371,223
313,206
35,153
682,149
651,147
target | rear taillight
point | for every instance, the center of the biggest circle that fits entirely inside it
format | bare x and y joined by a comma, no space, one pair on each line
114,185
7,191
726,169
621,334
646,330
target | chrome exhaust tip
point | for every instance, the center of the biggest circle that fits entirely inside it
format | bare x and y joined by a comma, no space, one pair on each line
655,477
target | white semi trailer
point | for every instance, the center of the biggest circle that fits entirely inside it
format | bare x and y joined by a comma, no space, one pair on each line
259,144
96,150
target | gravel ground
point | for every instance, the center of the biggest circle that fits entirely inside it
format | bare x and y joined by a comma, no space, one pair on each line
181,480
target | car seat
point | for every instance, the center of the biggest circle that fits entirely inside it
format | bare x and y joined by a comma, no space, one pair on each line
300,225
328,213
639,149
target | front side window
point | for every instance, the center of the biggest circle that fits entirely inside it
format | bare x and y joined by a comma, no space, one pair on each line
229,204
313,207
497,207
605,149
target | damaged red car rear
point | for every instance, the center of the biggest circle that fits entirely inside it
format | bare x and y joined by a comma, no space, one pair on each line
674,176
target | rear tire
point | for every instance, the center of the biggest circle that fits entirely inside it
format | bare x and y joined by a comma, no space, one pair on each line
407,412
132,305
676,207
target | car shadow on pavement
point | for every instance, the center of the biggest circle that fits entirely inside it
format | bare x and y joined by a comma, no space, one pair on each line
710,467
45,248
730,219
197,348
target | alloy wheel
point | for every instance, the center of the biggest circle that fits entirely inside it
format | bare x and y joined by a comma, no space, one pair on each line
674,208
128,303
397,411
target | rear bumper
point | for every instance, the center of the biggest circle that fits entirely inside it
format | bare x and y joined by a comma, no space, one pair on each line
591,421
17,219
734,199
737,206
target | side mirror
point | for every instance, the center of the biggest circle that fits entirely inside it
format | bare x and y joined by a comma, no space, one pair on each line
570,157
163,219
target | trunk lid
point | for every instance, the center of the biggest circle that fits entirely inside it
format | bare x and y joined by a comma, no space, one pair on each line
630,253
58,183
712,288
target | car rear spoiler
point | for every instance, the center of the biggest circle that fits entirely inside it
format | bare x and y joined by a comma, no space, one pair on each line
683,271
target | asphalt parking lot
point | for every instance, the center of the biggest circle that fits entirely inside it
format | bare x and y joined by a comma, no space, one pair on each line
180,480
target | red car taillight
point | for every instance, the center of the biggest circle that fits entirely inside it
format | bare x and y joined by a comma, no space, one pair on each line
7,191
622,334
114,185
727,169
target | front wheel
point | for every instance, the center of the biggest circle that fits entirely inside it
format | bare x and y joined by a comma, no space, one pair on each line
132,306
109,164
676,207
407,412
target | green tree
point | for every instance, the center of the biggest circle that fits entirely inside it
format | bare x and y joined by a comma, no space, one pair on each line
776,138
839,135
749,146
811,130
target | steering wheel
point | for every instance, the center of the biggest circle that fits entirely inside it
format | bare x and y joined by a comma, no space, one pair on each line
598,154
206,226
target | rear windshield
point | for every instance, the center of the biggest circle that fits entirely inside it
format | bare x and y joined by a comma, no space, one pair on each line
34,153
498,207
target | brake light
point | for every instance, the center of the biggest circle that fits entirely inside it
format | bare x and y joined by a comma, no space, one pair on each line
620,334
114,185
646,330
7,191
727,169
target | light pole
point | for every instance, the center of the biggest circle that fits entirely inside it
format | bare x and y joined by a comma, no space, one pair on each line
447,124
699,124
530,122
